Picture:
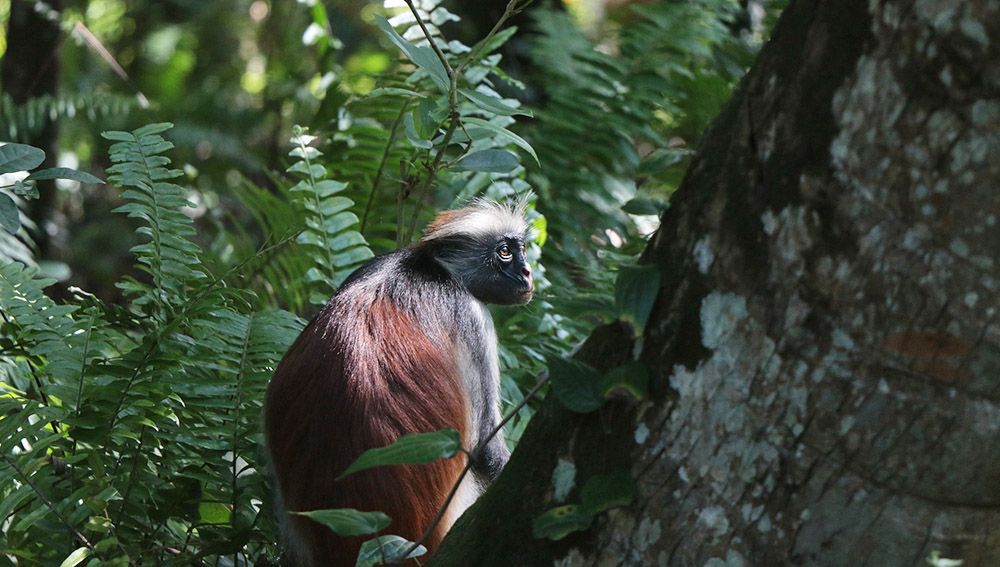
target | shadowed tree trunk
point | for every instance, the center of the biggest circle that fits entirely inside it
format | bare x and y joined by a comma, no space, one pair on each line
824,348
29,69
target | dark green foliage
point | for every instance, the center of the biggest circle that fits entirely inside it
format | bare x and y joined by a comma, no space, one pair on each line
146,416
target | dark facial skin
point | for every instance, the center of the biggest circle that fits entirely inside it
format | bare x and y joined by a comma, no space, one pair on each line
502,274
493,271
509,259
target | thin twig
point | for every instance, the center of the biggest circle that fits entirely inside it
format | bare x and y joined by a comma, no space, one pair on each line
381,164
454,118
48,504
542,380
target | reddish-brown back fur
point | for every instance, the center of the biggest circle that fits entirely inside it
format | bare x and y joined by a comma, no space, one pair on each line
362,374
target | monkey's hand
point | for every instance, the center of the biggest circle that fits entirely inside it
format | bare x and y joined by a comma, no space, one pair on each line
488,460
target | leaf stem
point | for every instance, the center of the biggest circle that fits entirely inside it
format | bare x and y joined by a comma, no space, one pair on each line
381,164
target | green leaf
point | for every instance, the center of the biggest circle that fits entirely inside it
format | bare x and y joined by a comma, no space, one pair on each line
214,513
631,380
387,550
410,128
65,173
19,157
26,189
636,290
487,45
157,128
414,448
394,91
604,492
645,206
576,385
505,135
348,521
492,104
9,217
561,521
76,557
490,161
423,56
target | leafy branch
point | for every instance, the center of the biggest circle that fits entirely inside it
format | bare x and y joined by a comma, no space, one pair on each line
454,116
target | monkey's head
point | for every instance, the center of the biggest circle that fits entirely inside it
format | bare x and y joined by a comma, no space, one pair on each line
482,245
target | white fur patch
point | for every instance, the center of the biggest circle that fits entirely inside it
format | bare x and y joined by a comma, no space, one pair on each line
465,496
481,218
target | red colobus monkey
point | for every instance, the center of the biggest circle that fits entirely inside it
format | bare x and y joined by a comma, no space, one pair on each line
406,345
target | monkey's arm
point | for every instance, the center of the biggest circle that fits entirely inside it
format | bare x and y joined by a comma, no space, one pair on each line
491,457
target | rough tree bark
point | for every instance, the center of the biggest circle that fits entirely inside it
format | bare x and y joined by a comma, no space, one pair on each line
825,347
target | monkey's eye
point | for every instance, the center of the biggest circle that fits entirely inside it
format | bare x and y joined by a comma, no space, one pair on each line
504,253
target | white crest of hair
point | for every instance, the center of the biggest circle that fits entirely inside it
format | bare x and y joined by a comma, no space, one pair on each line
481,218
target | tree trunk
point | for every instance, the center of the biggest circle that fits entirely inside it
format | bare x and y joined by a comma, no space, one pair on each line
824,349
29,69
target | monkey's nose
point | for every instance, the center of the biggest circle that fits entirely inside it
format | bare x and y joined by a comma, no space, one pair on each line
526,271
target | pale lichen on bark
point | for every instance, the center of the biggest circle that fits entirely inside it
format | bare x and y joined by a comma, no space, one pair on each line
825,352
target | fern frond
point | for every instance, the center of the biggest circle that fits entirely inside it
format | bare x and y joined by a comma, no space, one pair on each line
21,122
170,258
331,234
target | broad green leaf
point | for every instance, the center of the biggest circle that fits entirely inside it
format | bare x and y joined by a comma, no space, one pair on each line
504,134
414,448
19,157
9,218
214,513
348,521
387,550
423,56
65,173
561,521
490,161
577,386
492,104
76,557
410,128
631,380
603,492
635,292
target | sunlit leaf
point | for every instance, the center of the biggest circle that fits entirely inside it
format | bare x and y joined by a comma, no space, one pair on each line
76,557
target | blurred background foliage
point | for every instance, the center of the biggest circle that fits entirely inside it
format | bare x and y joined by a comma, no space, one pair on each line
612,96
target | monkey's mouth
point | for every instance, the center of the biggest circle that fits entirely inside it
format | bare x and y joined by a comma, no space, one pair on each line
524,295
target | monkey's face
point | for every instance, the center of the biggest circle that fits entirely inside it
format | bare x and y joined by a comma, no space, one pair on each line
503,276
